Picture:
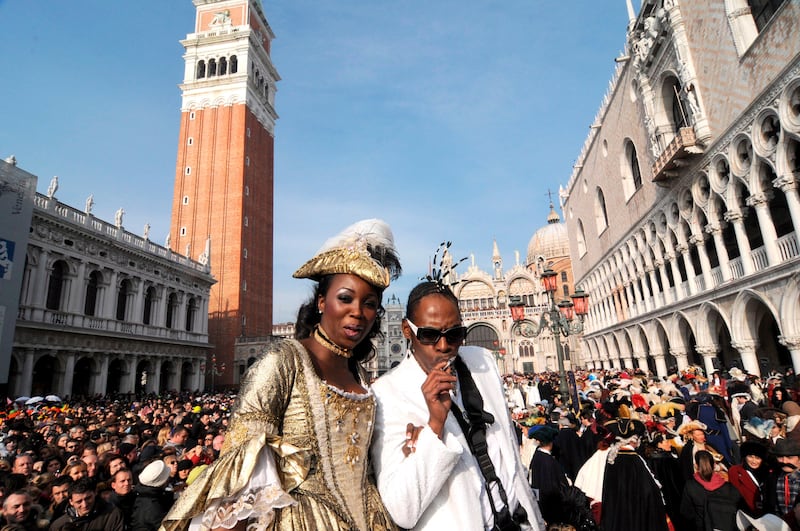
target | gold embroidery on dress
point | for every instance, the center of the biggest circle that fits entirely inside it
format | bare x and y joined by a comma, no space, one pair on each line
346,415
247,425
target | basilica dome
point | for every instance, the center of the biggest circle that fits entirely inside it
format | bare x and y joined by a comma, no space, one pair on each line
551,241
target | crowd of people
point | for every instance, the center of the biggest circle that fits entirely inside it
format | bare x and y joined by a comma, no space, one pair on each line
684,452
105,463
441,441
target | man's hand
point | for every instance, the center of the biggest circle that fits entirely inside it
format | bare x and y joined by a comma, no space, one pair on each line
412,434
436,390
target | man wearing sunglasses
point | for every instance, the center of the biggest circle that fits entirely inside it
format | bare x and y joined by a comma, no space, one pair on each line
444,449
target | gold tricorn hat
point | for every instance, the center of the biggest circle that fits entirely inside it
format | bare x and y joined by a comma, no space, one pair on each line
365,249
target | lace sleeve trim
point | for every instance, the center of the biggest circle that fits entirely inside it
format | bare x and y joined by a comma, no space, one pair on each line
261,502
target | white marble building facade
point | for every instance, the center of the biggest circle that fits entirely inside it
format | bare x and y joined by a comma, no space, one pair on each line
682,209
105,311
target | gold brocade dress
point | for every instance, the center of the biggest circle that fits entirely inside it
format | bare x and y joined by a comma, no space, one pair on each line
311,439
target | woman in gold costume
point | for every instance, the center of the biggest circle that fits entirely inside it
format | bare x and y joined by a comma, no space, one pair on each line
296,454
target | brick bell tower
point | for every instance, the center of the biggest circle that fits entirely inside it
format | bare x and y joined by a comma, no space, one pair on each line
222,210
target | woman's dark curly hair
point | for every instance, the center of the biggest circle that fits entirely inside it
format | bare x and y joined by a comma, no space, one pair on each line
428,287
309,317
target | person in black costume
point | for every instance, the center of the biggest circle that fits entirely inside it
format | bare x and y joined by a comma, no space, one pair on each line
709,502
663,461
547,475
631,496
567,447
152,502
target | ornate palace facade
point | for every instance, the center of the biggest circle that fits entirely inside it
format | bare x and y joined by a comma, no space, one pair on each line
105,311
683,207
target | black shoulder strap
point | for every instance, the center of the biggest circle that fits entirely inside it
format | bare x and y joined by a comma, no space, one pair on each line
473,423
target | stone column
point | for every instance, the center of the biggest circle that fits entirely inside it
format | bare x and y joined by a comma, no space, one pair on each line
78,290
793,344
629,296
101,378
198,378
137,316
705,263
715,230
204,315
154,383
641,360
69,373
609,314
648,300
128,383
683,249
651,272
770,237
709,353
747,349
676,273
741,240
110,297
179,320
627,362
681,356
661,363
788,186
27,373
40,281
662,273
637,293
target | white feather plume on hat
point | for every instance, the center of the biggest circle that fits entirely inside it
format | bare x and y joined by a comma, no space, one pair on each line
365,249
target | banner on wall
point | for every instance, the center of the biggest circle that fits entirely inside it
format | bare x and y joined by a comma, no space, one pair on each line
17,191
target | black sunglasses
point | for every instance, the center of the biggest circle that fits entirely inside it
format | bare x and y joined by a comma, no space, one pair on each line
431,336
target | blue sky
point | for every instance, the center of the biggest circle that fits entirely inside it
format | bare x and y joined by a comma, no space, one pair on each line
448,119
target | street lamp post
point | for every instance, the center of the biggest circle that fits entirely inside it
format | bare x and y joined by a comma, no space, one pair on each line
215,369
559,318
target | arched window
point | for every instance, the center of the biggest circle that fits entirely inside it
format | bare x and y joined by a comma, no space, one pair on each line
172,304
234,64
581,239
212,67
191,311
149,297
122,298
223,66
201,69
636,173
763,11
90,304
679,119
55,285
600,212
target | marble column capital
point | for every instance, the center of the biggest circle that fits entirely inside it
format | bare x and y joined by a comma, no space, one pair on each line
792,342
707,351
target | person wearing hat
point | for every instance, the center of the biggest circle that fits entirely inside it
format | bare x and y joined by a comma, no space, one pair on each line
751,476
792,420
153,501
784,496
631,497
567,447
742,407
662,459
546,474
694,432
304,417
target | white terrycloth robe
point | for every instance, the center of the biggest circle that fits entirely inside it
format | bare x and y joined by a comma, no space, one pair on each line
439,486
